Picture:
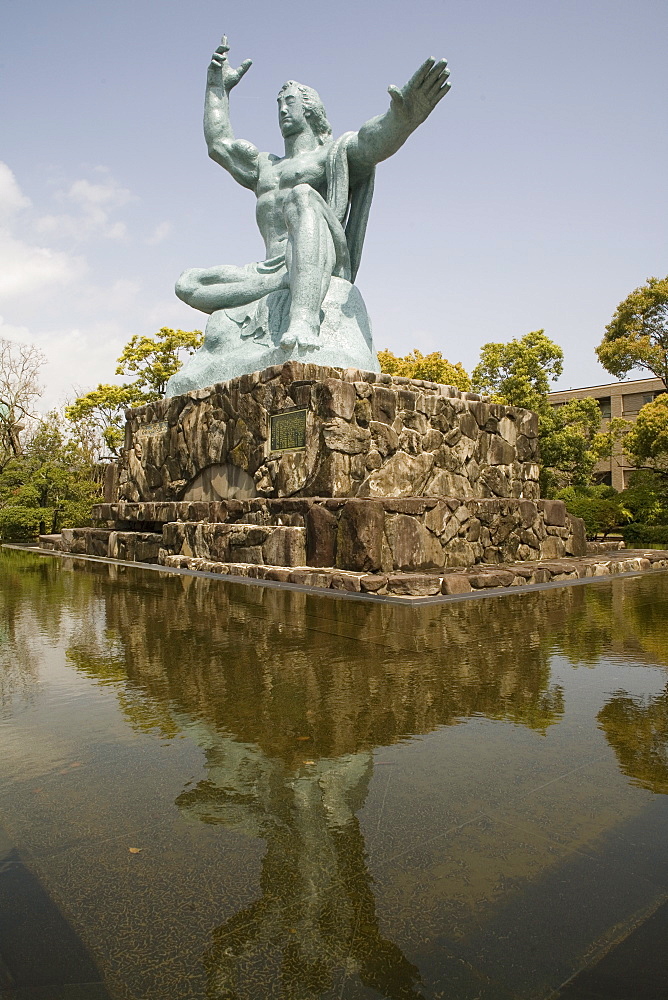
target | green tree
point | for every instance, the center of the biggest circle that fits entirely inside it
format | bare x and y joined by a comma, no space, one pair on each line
153,360
571,443
600,507
646,443
637,335
430,367
519,374
646,497
51,485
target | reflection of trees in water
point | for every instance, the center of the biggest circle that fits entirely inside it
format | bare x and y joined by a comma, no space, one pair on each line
637,730
22,620
627,621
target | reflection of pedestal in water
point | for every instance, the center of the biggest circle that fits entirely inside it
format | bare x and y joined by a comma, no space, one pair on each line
315,921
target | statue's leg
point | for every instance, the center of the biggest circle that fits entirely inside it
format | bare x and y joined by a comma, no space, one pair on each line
224,287
311,258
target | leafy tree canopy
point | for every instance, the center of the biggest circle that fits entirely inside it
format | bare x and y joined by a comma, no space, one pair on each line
519,372
646,497
51,485
637,335
646,443
430,367
153,360
570,443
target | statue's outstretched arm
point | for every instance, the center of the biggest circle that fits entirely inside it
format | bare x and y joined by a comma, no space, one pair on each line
238,156
410,105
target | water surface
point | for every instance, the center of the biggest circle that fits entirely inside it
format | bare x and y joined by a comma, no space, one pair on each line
216,791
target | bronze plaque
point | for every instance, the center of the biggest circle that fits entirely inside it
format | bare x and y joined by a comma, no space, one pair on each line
156,427
288,431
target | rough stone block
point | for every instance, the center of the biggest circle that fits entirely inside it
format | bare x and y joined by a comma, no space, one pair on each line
455,583
321,532
414,584
497,578
285,547
247,554
335,398
576,544
360,535
413,546
346,581
552,547
403,475
554,512
383,404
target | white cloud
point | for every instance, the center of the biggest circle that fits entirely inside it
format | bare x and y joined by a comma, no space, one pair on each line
89,196
92,206
160,233
25,268
11,197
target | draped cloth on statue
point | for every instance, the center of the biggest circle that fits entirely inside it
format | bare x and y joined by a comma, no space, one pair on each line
350,204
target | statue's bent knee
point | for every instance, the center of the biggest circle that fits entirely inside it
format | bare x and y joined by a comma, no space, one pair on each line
187,284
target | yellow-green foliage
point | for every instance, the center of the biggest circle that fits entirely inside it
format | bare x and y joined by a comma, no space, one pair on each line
430,367
153,360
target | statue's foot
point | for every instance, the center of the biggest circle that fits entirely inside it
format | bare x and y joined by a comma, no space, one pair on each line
301,333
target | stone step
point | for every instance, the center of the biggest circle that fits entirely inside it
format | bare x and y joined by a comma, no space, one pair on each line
484,578
410,533
272,545
133,546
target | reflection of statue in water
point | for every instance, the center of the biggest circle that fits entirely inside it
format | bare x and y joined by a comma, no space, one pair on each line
312,209
315,922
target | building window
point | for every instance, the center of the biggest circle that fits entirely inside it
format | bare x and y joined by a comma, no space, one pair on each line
606,410
648,397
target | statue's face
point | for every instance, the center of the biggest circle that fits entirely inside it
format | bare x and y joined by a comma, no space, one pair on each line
291,116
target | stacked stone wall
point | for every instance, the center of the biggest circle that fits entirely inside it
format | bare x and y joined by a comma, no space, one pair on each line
366,435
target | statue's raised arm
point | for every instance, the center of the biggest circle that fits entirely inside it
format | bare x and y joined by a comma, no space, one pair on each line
410,105
238,156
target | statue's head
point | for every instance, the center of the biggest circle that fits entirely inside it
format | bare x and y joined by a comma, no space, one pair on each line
299,105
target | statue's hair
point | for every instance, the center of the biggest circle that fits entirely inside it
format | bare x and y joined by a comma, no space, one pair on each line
313,108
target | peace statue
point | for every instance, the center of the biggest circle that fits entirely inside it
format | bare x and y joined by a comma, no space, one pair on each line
312,209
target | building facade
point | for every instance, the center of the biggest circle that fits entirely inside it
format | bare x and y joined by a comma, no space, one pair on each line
616,399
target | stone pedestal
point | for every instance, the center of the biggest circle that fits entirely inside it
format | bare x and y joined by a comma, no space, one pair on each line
304,430
342,479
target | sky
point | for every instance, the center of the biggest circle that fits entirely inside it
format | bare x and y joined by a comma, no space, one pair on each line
534,196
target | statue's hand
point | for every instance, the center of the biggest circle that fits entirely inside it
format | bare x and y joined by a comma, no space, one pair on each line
416,100
220,72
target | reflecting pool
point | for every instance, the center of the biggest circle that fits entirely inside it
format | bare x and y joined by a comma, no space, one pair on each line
210,790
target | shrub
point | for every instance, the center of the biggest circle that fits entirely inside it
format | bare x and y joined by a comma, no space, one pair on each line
645,535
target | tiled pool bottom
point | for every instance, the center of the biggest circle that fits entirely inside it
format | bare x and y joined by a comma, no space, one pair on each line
217,791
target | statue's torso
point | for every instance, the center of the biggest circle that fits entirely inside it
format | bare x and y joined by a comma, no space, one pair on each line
277,176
